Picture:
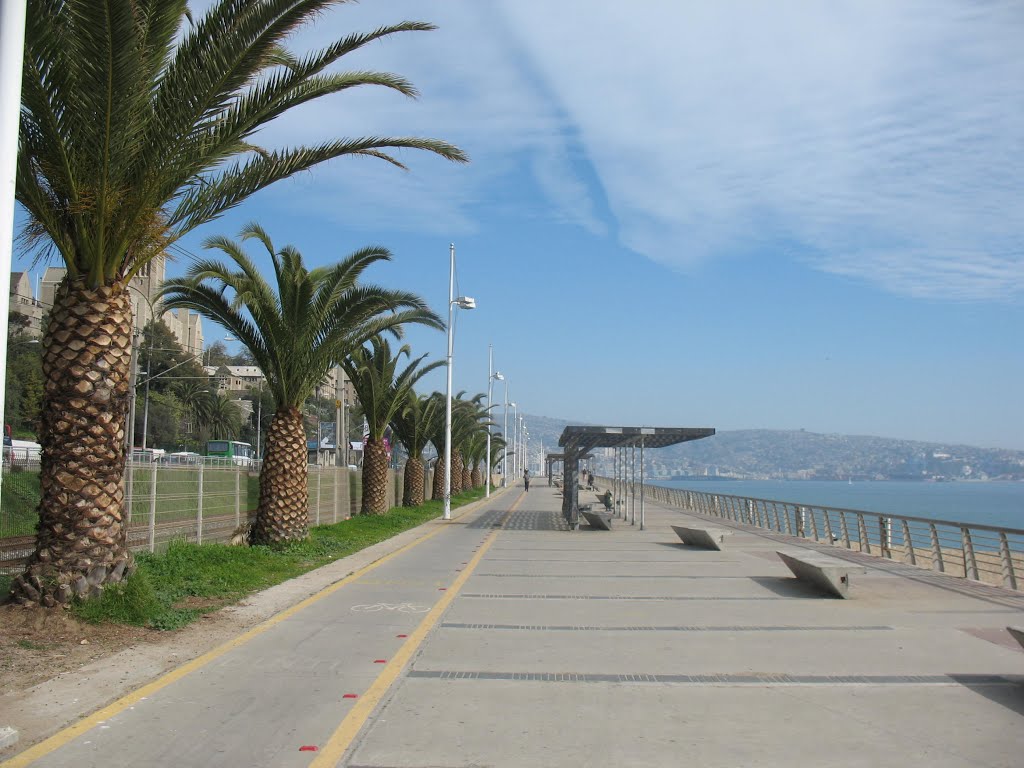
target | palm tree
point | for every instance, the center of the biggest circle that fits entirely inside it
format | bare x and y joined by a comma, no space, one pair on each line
314,319
412,426
476,447
136,128
468,419
463,418
219,416
383,392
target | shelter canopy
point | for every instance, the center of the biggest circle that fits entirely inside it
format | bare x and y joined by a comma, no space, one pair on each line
577,441
582,439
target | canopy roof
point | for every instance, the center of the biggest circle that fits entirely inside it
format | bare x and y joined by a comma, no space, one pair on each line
577,439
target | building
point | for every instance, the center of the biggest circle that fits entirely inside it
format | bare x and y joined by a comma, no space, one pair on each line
187,326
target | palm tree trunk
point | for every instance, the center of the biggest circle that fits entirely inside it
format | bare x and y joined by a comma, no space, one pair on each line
477,477
437,492
81,540
375,478
283,512
467,479
456,472
412,495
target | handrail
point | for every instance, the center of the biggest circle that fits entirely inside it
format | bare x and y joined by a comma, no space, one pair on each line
986,553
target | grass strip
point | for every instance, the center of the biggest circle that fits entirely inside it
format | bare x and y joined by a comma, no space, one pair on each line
172,589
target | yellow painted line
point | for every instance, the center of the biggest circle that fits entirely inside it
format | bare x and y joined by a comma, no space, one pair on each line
61,738
349,728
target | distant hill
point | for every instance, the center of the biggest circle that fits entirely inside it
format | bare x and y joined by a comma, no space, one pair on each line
796,454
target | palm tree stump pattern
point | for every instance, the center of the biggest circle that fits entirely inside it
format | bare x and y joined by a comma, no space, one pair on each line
81,543
284,502
414,489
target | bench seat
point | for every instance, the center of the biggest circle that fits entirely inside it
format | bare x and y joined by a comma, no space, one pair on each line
826,573
1017,633
598,520
705,538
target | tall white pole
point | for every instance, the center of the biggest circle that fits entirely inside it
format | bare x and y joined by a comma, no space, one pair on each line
504,437
515,441
12,54
448,393
490,382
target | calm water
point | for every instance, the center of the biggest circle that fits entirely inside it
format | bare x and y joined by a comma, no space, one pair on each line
996,503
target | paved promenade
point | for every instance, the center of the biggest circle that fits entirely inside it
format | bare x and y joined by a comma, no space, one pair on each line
502,639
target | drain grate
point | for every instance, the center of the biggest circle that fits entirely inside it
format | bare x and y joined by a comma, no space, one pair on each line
765,678
679,628
608,597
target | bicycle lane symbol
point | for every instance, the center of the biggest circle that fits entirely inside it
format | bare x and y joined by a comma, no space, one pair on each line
397,607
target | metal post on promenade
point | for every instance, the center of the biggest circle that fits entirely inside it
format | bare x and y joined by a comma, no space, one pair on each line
641,482
632,485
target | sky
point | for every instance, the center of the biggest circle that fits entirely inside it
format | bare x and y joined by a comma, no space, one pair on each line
737,215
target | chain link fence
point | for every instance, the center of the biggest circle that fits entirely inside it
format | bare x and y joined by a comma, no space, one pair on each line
203,502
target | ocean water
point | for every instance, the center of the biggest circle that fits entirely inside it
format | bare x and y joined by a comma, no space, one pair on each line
982,503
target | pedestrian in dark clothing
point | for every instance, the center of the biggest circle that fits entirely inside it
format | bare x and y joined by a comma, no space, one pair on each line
526,479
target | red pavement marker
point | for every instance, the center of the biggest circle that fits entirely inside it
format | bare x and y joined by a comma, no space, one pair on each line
350,696
309,748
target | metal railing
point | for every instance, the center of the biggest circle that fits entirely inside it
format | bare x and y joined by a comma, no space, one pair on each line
984,553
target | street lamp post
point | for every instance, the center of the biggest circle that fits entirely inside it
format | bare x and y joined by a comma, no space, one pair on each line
504,439
492,376
463,302
515,441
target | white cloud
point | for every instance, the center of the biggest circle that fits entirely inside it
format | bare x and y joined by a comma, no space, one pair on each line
876,140
883,139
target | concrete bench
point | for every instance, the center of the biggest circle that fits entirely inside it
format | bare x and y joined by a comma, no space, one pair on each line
596,520
827,573
1017,633
705,538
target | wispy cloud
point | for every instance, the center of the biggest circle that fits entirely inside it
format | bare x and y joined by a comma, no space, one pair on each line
880,141
884,139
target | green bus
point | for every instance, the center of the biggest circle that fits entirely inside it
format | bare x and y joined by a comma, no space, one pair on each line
237,453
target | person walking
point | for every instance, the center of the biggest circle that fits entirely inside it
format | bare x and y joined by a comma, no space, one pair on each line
526,479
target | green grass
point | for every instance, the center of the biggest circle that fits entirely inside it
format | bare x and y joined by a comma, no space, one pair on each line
20,503
171,589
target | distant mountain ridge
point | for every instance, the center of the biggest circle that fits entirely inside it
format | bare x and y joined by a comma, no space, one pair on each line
798,454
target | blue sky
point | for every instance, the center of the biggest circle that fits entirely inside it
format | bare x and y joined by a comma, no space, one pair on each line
737,214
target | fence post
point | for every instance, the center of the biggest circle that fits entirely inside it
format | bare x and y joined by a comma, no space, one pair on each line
970,564
129,482
238,497
884,536
318,473
908,544
335,516
862,532
937,564
828,525
1006,560
199,508
152,508
814,523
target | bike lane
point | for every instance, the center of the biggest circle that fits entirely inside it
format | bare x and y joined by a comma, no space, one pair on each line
277,694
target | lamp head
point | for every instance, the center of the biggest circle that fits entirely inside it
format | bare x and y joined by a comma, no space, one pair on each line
498,376
465,302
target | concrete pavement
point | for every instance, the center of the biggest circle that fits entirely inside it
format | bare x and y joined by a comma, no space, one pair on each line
505,640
